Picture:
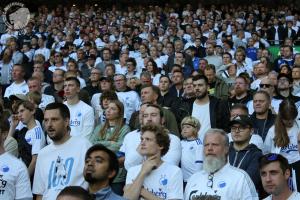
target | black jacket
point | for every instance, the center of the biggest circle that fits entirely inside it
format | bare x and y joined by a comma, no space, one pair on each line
261,127
219,113
247,160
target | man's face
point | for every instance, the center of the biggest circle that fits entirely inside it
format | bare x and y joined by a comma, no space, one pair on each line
179,59
226,59
200,88
283,83
188,86
266,85
210,74
120,82
34,85
214,146
287,53
55,125
17,73
71,89
106,55
241,133
260,69
58,76
239,57
164,84
210,50
240,86
260,103
296,73
148,95
151,115
95,75
274,180
58,58
96,168
178,46
105,85
177,78
24,114
148,146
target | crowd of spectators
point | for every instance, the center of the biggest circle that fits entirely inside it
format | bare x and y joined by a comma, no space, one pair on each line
111,76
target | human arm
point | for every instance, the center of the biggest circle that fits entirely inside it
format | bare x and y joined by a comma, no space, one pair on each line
148,195
132,191
13,125
31,166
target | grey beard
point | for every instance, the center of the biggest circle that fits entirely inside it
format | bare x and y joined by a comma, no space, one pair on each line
211,164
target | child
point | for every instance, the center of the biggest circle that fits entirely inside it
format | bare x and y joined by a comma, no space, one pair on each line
192,147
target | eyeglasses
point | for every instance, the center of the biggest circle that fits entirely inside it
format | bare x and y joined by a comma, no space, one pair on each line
238,128
210,182
264,85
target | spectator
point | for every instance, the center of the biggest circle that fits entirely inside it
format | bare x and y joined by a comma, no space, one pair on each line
14,178
101,174
275,171
76,192
82,115
59,164
218,173
141,182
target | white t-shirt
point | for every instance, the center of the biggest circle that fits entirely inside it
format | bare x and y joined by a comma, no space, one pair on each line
95,102
131,102
14,179
192,160
82,119
201,112
59,166
14,88
46,99
255,139
290,152
133,158
36,138
164,182
227,183
53,68
294,196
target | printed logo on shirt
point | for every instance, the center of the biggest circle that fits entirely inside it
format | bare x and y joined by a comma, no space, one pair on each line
205,195
3,184
4,168
221,184
163,180
60,172
160,193
74,122
289,148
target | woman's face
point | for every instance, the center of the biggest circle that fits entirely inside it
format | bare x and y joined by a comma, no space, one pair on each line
149,67
112,111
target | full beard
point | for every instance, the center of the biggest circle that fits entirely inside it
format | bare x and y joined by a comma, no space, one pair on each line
212,164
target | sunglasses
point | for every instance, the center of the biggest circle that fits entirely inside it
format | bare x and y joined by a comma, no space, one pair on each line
264,85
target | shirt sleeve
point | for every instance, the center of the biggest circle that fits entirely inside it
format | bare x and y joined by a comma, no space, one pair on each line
89,122
175,189
38,140
248,190
39,184
23,190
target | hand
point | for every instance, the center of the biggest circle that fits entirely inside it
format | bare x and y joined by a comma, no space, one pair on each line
149,164
15,120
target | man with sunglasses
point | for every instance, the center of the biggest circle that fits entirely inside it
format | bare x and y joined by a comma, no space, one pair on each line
242,154
275,173
218,179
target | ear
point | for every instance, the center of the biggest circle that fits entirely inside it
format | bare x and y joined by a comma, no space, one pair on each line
163,121
111,174
287,173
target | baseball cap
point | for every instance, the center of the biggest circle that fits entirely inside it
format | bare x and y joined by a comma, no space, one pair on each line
18,97
243,120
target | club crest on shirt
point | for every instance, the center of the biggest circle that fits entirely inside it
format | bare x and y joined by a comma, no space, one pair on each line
4,168
163,180
221,184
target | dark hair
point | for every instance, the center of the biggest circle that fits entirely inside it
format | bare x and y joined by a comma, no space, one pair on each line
110,95
63,109
155,68
165,76
226,53
200,77
240,106
77,82
272,157
161,136
26,104
153,87
4,124
132,60
210,67
76,191
113,160
161,113
287,111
